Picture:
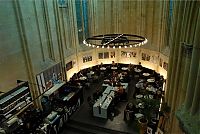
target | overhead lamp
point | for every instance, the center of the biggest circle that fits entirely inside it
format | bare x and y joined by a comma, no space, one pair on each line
115,41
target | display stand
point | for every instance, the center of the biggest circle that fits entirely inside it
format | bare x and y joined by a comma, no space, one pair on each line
13,103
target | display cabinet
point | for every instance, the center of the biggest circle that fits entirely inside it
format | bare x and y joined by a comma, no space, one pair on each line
14,101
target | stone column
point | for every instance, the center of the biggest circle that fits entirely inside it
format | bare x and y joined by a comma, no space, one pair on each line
194,66
187,50
195,104
177,70
176,53
178,77
187,37
171,59
177,80
196,95
187,54
26,52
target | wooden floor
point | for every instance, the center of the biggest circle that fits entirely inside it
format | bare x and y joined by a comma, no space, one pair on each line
83,122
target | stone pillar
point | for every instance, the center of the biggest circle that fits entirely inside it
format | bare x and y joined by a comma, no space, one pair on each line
195,104
176,53
194,66
171,58
187,54
185,77
188,34
178,79
187,50
196,95
184,11
177,69
26,53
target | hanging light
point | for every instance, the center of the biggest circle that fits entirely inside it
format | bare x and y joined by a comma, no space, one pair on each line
115,41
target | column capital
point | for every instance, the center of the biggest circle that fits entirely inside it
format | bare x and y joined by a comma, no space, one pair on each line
187,49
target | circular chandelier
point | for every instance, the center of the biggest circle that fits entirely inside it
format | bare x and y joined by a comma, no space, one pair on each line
115,41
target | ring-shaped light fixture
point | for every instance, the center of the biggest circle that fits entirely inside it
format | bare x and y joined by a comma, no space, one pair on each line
115,41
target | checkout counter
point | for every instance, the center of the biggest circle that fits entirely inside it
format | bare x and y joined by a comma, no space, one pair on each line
101,106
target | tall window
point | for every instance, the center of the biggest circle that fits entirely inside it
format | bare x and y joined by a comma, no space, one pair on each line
170,12
82,19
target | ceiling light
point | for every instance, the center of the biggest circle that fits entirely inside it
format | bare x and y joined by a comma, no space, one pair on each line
115,41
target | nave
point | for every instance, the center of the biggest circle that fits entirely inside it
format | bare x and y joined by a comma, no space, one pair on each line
83,121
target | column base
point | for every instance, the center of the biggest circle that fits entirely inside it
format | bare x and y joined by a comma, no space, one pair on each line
188,123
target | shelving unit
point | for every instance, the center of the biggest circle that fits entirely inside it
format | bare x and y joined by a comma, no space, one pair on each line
14,101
